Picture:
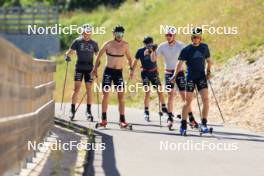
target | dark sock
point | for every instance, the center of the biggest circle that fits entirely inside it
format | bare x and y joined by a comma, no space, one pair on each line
163,105
170,116
204,121
146,110
73,108
191,118
184,124
89,108
122,118
104,115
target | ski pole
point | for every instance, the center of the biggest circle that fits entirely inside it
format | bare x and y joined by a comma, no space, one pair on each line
160,113
216,101
97,97
80,102
64,84
198,103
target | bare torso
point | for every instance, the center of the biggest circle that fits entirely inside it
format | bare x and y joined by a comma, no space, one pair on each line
115,54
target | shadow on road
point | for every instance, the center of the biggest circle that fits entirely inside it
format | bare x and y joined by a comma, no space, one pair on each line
108,158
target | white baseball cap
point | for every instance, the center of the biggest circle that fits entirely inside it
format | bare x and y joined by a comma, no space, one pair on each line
87,28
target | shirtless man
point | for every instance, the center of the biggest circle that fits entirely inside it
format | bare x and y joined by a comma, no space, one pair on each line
171,50
115,51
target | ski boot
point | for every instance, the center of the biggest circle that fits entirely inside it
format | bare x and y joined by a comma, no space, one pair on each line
183,128
169,123
146,116
72,115
89,116
125,125
183,131
194,124
204,129
101,124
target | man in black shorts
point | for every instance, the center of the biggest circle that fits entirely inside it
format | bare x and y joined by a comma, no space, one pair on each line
195,55
85,49
149,74
117,53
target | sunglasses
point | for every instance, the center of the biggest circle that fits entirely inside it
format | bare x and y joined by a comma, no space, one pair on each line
196,37
119,34
168,35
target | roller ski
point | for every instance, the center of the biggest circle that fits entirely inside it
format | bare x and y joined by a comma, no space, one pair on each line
89,116
169,123
101,124
146,116
193,124
124,125
203,129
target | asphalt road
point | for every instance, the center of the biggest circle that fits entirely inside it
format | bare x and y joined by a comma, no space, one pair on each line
153,150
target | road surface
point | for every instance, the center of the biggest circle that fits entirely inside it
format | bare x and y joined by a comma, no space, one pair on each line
153,150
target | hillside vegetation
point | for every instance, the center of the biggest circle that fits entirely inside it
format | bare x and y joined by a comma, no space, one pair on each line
145,17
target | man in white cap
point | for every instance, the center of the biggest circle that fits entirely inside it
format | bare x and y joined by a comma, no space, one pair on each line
170,50
85,49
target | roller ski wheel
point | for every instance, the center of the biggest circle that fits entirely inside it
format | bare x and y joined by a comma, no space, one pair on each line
194,124
125,125
146,117
101,124
160,113
72,115
203,129
89,117
179,116
183,132
169,124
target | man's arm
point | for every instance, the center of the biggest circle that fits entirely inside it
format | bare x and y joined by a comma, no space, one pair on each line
97,60
208,70
178,68
153,56
129,57
98,56
69,52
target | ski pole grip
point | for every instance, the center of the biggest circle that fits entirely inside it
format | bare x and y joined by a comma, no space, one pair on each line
67,58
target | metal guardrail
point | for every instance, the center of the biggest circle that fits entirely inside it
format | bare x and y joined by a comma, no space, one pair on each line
15,20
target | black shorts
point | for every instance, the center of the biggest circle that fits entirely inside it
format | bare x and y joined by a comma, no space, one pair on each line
199,83
150,77
180,80
112,75
80,74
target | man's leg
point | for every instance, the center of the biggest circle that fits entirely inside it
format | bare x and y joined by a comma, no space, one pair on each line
146,100
88,86
104,104
121,105
205,100
185,109
171,96
75,92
